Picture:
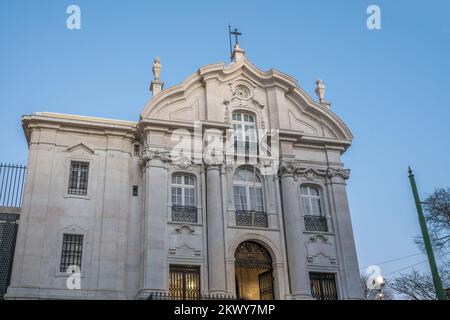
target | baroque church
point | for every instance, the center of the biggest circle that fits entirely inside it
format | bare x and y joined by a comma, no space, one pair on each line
231,184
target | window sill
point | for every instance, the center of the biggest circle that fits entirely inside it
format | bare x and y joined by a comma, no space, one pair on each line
185,223
60,274
75,196
331,233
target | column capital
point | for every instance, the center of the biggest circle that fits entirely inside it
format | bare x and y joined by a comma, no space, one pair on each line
213,164
287,169
153,153
339,172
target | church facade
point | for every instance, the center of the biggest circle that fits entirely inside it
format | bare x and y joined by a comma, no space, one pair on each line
230,183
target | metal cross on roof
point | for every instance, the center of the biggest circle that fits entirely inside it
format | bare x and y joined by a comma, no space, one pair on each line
236,35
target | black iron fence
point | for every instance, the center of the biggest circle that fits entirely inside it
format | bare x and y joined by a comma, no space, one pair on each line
12,178
161,295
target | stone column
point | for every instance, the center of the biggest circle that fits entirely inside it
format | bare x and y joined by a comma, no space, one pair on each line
215,231
293,229
155,266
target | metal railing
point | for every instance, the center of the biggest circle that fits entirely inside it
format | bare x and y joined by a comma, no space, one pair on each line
8,232
161,295
251,218
184,214
316,223
12,178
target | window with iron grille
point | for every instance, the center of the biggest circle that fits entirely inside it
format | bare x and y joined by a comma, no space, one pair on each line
78,179
135,191
323,286
72,250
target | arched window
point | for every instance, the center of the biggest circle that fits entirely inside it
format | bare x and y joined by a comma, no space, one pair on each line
312,209
245,138
248,198
184,199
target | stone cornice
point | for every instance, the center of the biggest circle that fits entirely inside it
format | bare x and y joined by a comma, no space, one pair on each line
77,124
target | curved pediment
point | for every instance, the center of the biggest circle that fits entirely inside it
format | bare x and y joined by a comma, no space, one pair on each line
216,90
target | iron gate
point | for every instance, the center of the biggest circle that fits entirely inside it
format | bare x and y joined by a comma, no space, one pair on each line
8,232
323,286
184,282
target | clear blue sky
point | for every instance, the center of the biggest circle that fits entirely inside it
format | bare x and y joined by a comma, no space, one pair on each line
389,86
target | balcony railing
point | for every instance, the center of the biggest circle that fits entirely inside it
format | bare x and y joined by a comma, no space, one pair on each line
251,218
184,214
316,223
167,296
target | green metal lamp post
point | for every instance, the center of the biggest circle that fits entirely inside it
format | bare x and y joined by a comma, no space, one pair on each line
426,240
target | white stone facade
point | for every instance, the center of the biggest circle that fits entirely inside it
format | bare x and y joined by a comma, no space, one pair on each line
130,242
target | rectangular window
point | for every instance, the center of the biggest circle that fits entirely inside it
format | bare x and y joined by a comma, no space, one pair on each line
136,150
135,191
78,180
184,282
72,250
323,286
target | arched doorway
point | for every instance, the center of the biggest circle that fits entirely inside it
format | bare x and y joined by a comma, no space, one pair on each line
253,267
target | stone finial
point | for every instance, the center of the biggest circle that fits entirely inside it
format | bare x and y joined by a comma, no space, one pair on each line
320,91
156,68
156,85
238,53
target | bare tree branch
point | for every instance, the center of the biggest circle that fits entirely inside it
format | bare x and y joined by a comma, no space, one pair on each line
419,286
437,215
372,294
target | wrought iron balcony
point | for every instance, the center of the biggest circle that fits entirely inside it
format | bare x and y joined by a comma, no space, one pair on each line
251,218
184,214
316,223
